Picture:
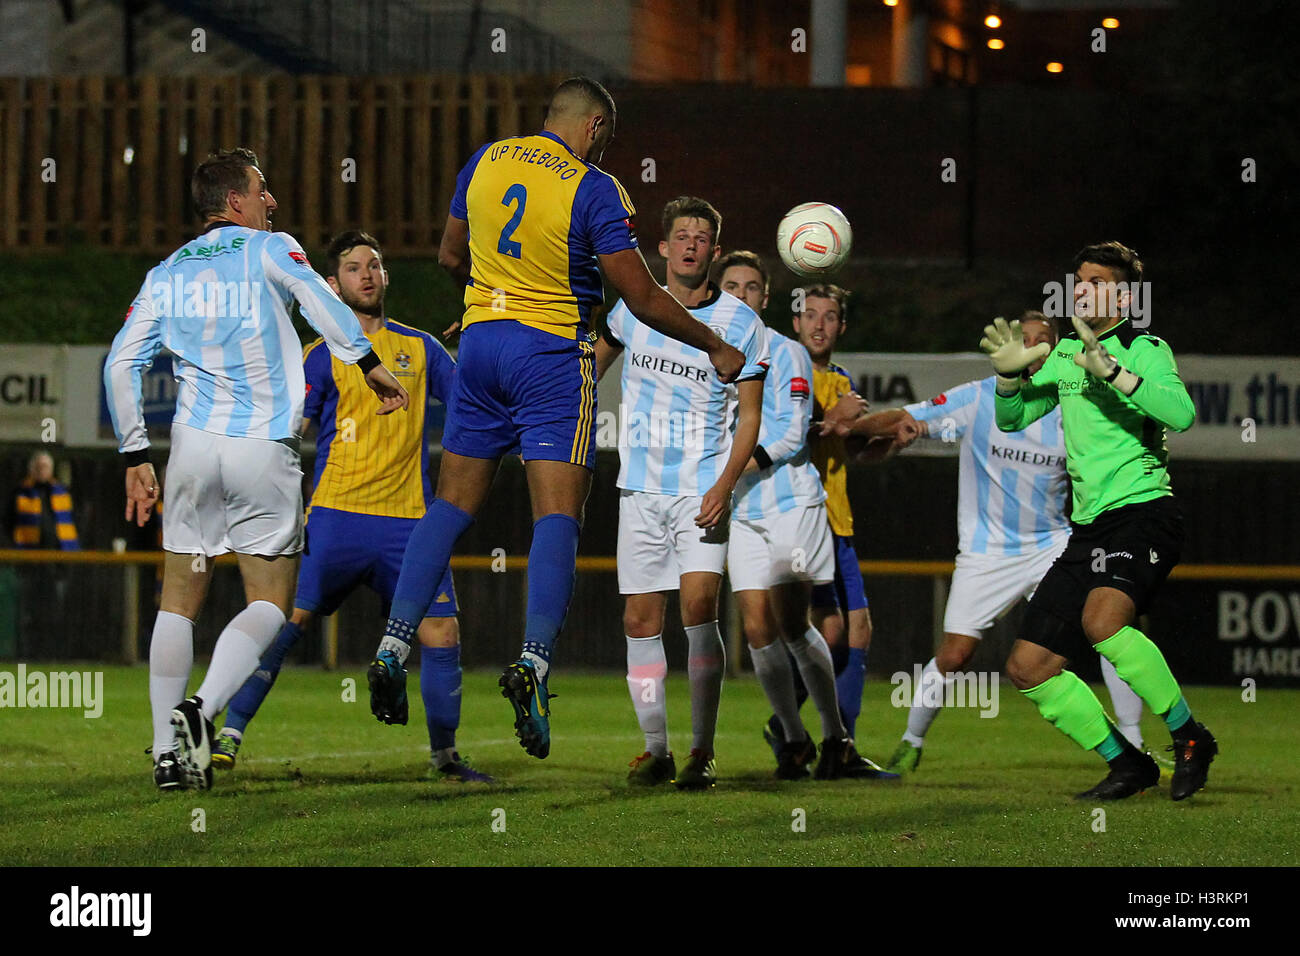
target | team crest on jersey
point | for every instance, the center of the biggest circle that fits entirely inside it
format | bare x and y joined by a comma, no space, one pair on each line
799,388
402,359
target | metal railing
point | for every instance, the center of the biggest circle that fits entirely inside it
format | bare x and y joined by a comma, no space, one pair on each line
123,598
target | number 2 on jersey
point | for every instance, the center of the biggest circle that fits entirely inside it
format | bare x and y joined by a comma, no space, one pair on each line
505,245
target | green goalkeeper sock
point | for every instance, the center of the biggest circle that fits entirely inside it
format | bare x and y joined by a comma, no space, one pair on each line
1113,745
1140,664
1072,708
1179,716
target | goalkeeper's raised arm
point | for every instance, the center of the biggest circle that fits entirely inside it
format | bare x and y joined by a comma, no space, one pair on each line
1018,357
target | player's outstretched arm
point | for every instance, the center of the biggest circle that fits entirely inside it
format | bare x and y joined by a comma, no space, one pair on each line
453,256
1004,344
392,395
287,267
628,273
453,251
1018,405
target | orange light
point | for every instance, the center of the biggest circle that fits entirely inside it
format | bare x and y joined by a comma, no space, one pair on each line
1055,67
993,21
891,3
995,43
1110,23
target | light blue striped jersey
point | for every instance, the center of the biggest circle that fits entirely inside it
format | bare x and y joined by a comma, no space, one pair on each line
220,304
677,417
791,480
1012,485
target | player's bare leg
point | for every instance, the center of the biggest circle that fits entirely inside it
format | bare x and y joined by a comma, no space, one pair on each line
465,482
268,586
953,655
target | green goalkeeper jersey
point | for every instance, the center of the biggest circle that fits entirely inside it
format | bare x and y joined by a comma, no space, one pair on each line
1114,444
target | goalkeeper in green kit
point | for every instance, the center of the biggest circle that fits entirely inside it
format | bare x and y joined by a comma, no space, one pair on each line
1118,388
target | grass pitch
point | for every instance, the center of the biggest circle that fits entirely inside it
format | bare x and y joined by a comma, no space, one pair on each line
320,782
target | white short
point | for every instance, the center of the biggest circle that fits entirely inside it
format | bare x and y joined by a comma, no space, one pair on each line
231,494
795,545
985,586
658,542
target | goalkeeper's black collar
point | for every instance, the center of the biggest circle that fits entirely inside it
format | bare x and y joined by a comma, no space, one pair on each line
1123,329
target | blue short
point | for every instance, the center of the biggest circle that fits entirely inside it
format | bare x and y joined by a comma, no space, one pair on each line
519,389
847,592
344,550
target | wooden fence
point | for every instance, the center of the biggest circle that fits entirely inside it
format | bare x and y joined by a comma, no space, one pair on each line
107,160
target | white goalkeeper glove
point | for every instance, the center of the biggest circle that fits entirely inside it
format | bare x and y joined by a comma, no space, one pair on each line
1005,347
1097,361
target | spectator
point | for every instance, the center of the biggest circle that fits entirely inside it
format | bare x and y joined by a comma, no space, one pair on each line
40,511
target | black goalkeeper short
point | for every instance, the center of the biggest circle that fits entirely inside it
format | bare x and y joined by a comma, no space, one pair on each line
1131,549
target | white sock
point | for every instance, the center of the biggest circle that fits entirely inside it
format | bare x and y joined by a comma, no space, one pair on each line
813,656
239,648
706,661
171,657
927,701
647,666
772,668
1128,705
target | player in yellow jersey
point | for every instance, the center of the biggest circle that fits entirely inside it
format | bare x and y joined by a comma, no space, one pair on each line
531,220
371,487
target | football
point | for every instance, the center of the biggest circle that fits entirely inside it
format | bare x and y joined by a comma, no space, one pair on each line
814,239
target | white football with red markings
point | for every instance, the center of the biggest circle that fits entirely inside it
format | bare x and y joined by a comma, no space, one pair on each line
814,239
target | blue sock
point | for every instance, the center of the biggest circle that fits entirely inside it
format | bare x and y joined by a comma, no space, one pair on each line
244,705
840,656
428,553
552,562
440,688
848,686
